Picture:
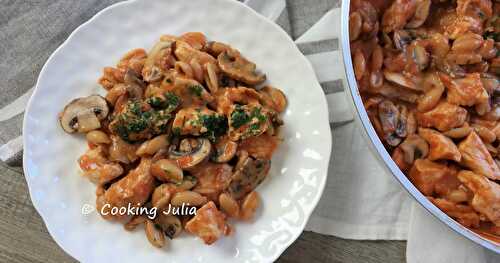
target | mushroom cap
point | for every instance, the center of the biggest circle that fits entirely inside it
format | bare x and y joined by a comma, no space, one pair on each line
167,171
134,84
187,158
225,150
239,68
169,224
248,175
214,48
86,108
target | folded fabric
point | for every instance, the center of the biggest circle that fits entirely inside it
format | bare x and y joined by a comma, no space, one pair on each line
429,240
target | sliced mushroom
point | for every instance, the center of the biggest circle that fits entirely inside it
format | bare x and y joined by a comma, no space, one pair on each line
401,39
154,235
414,147
420,56
224,151
392,139
277,99
191,152
239,68
460,132
170,224
421,14
161,196
355,25
134,222
392,91
193,87
400,79
215,48
188,183
250,174
388,115
151,72
401,127
242,158
167,171
84,114
134,84
411,122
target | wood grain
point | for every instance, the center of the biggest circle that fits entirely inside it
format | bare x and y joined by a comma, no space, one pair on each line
24,237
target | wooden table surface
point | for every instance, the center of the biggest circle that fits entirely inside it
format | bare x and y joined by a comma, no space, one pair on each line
24,237
29,32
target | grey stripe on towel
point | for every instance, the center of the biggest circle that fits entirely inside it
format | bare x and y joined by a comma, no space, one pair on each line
313,47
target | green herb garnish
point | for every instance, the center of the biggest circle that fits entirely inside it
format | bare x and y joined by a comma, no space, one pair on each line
170,102
137,123
196,90
239,117
216,125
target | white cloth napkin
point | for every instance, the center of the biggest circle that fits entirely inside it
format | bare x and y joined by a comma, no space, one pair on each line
429,240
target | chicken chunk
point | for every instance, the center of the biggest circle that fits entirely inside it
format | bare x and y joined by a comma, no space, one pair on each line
486,198
427,176
441,147
134,189
209,224
122,151
467,91
97,168
199,121
185,53
464,214
138,121
262,146
248,121
228,97
443,117
398,14
213,178
476,156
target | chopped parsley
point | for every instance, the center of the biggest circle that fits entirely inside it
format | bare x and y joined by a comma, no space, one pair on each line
196,90
256,113
492,35
251,118
169,102
137,123
254,127
172,99
155,102
216,125
176,131
239,117
135,107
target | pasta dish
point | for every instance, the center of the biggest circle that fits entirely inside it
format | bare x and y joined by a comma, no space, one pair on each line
189,123
428,74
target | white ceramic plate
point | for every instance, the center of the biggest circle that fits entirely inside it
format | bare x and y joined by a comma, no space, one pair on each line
299,168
